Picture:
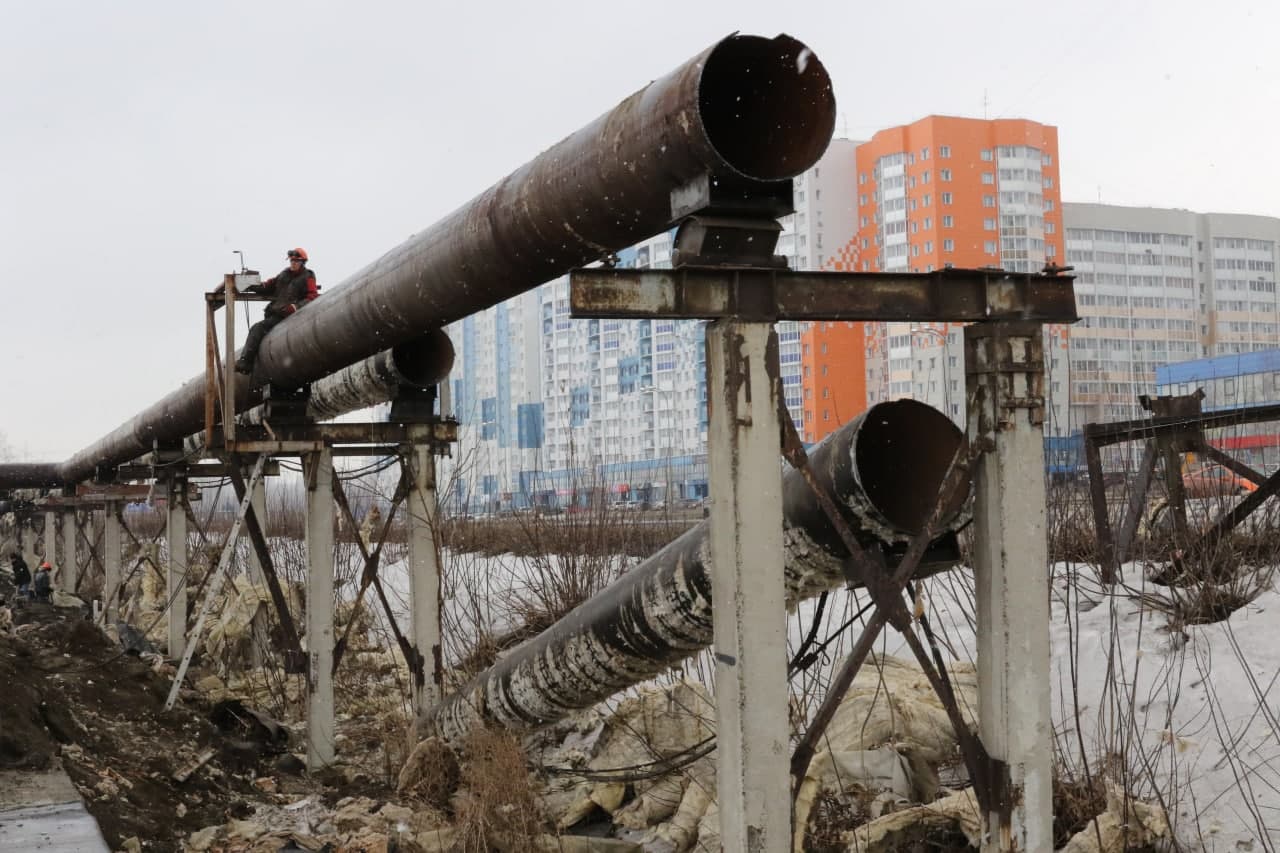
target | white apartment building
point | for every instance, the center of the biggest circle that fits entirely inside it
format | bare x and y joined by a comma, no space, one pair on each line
1159,286
552,407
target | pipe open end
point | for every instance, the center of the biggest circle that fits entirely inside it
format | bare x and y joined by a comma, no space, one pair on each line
767,105
903,451
425,360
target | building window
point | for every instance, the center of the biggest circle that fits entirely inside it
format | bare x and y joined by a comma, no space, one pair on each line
924,153
944,150
1048,204
862,199
948,245
862,178
947,221
944,174
1047,159
925,177
928,222
989,247
928,246
1048,183
985,154
1050,250
824,370
946,198
826,393
928,200
988,177
826,415
1050,228
988,201
989,224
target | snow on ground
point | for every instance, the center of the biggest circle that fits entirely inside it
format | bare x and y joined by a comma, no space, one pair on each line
1191,712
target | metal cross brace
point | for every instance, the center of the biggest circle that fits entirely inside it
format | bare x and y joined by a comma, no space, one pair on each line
220,575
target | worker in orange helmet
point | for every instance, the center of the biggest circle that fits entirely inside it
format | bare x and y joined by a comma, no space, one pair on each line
42,589
293,288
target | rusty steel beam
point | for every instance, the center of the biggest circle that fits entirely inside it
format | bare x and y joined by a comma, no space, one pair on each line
951,295
750,109
884,470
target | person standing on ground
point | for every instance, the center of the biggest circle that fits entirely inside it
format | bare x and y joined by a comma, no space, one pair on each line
293,288
21,574
43,585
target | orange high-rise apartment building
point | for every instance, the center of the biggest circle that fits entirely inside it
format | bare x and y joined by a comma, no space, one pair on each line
941,192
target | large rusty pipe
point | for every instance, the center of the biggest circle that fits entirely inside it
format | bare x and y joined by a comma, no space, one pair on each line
29,475
420,362
749,107
884,470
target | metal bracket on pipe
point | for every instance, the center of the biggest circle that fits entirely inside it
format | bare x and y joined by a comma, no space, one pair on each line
948,295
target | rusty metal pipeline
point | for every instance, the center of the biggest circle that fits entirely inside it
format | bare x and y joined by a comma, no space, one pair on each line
29,475
748,107
884,471
420,362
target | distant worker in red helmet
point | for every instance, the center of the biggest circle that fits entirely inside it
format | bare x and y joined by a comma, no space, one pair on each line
291,289
42,589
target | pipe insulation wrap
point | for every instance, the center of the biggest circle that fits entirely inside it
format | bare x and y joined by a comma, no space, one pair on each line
883,469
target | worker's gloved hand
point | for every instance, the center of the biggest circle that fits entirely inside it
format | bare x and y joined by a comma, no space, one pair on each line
288,309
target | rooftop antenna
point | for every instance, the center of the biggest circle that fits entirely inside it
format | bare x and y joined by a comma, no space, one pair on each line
984,104
243,268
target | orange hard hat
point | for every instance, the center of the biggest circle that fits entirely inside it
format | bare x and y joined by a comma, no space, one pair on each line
45,565
298,253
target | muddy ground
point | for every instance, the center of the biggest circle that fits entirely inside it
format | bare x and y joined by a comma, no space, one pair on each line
67,693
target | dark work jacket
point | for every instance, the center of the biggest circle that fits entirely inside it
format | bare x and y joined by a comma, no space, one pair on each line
290,288
43,583
21,573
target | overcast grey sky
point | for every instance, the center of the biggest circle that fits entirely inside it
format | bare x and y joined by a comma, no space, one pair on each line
142,142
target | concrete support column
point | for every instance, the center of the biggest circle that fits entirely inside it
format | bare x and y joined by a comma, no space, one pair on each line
424,579
69,571
749,614
258,501
27,544
50,535
1004,362
111,544
319,476
176,588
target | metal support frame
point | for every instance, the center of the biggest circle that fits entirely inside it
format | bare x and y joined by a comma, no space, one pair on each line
176,575
258,500
50,538
750,620
318,471
1004,364
112,558
69,571
725,271
1177,426
217,578
424,579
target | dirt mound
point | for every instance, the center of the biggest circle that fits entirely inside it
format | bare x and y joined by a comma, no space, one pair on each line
25,740
70,693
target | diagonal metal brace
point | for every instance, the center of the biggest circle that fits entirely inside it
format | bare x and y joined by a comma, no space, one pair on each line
217,579
295,661
886,593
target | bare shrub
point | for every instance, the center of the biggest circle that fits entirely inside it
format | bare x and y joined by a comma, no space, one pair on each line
498,807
